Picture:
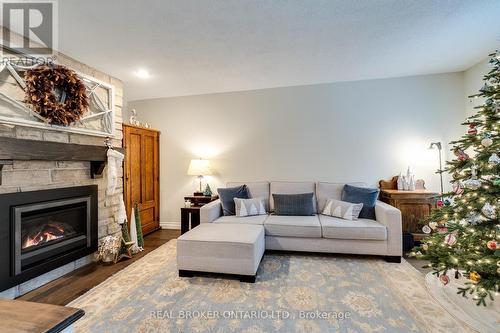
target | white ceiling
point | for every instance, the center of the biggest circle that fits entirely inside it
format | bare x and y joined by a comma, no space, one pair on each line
207,46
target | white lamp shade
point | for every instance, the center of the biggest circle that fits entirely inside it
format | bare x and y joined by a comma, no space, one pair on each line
199,167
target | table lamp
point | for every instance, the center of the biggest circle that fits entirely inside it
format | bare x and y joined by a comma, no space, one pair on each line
199,168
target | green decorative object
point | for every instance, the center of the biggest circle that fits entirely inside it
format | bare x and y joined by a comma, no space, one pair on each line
208,191
140,239
125,235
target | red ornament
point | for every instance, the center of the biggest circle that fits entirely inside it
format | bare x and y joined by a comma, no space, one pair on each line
458,188
492,245
461,155
472,129
450,239
442,230
444,279
440,203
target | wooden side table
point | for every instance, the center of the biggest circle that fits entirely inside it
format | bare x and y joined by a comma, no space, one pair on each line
190,216
200,200
186,213
414,206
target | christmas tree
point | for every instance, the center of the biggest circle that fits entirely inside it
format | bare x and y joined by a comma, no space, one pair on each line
464,232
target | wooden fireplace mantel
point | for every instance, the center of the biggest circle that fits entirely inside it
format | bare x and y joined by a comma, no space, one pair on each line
25,150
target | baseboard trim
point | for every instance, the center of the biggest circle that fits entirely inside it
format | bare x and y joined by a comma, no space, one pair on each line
170,225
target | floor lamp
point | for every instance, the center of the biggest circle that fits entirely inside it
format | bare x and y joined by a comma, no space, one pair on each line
440,170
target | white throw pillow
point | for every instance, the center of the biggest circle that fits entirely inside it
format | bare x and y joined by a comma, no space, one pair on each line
249,207
345,210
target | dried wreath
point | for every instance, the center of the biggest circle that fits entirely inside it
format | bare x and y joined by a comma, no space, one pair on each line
56,93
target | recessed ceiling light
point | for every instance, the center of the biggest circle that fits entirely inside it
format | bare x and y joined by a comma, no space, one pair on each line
142,73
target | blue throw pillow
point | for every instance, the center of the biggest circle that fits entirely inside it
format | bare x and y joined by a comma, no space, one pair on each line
227,196
366,196
294,204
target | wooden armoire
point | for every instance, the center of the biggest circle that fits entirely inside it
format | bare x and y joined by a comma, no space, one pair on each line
141,178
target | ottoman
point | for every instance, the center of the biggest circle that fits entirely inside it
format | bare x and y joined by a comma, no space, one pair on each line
221,248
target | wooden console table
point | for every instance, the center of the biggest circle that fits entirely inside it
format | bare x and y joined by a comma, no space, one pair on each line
414,205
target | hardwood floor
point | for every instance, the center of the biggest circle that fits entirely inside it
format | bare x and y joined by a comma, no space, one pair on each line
74,284
419,264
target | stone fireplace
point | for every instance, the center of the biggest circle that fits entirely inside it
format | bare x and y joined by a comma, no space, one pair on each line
23,176
43,230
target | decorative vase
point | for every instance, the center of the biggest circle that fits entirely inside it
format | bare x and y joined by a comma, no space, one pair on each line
412,183
400,182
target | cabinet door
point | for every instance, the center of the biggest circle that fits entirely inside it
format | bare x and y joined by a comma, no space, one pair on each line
133,173
141,170
149,172
412,214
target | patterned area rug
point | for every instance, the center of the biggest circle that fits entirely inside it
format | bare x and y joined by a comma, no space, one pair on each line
293,293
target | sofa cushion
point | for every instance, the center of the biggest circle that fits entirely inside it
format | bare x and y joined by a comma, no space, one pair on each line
255,190
325,191
292,188
337,228
342,209
294,204
227,196
249,207
257,219
293,226
366,196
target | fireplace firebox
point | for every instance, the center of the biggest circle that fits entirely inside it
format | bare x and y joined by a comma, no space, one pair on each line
42,230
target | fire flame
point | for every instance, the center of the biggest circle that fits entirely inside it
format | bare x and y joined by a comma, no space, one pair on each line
52,232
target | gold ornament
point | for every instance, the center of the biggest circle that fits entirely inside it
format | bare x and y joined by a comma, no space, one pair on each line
474,277
442,222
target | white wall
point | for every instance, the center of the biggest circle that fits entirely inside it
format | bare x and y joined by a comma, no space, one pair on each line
351,131
473,81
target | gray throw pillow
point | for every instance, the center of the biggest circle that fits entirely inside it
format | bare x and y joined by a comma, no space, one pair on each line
344,210
227,196
294,204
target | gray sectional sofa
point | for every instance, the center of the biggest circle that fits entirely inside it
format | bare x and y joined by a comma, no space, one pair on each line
235,245
318,233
